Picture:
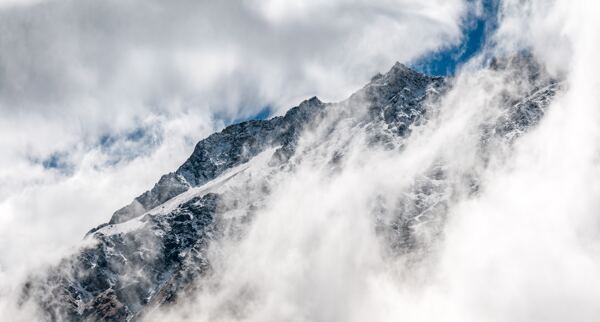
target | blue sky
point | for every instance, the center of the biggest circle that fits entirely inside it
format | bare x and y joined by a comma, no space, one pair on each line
475,32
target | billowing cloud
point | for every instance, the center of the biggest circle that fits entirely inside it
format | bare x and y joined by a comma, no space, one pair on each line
523,247
99,98
123,98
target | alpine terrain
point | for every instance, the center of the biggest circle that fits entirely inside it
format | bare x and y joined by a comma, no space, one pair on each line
171,242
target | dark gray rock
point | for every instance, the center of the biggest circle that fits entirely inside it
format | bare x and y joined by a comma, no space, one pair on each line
235,145
123,272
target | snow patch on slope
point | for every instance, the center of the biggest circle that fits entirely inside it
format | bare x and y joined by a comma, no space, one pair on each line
215,185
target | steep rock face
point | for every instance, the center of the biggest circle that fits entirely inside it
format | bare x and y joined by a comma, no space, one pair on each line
234,145
397,96
153,249
114,278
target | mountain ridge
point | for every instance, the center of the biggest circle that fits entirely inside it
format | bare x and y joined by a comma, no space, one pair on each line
164,234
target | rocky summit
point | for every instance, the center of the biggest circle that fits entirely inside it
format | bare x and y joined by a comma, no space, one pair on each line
154,250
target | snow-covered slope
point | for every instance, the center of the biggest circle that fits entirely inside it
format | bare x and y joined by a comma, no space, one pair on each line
152,250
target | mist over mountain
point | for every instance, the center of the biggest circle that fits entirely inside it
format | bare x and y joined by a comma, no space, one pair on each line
200,161
165,245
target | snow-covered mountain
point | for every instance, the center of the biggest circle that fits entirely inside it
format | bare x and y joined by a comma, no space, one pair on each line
155,250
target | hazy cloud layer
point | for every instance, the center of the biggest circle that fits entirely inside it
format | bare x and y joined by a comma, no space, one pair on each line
99,98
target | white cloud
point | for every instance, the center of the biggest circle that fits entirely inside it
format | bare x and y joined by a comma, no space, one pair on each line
76,72
525,248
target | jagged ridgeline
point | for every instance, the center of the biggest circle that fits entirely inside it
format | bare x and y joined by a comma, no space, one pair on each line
155,249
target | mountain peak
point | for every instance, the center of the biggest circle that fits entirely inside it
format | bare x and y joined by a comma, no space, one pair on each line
311,101
399,65
401,69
